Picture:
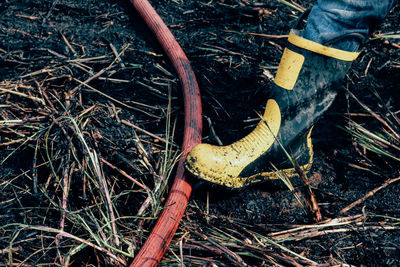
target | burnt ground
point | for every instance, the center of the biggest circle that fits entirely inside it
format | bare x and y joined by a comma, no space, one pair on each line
70,149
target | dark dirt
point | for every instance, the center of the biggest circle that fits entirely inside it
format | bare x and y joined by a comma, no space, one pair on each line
233,67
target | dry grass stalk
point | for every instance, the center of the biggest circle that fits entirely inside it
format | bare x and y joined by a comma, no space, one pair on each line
46,113
369,194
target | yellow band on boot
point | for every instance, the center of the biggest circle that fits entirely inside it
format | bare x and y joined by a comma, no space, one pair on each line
289,69
321,49
292,62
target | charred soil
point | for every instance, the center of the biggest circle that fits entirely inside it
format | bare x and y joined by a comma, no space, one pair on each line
92,120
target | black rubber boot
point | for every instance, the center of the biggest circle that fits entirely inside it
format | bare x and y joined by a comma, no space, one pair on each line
303,90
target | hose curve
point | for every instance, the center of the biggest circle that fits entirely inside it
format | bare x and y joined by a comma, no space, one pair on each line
164,230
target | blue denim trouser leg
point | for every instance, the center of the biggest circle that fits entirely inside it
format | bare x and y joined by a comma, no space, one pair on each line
330,19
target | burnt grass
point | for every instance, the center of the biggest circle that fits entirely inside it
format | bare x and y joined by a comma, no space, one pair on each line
89,103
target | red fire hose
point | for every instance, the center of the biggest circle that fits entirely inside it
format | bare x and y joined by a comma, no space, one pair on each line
159,239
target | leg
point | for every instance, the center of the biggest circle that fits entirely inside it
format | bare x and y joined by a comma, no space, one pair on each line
329,20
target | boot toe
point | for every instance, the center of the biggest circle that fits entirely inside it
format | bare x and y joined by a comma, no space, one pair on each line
210,163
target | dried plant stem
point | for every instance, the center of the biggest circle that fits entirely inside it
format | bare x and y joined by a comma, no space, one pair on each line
144,131
375,115
103,183
94,160
150,198
313,206
81,240
36,99
259,34
34,169
126,175
235,258
369,194
66,184
115,100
